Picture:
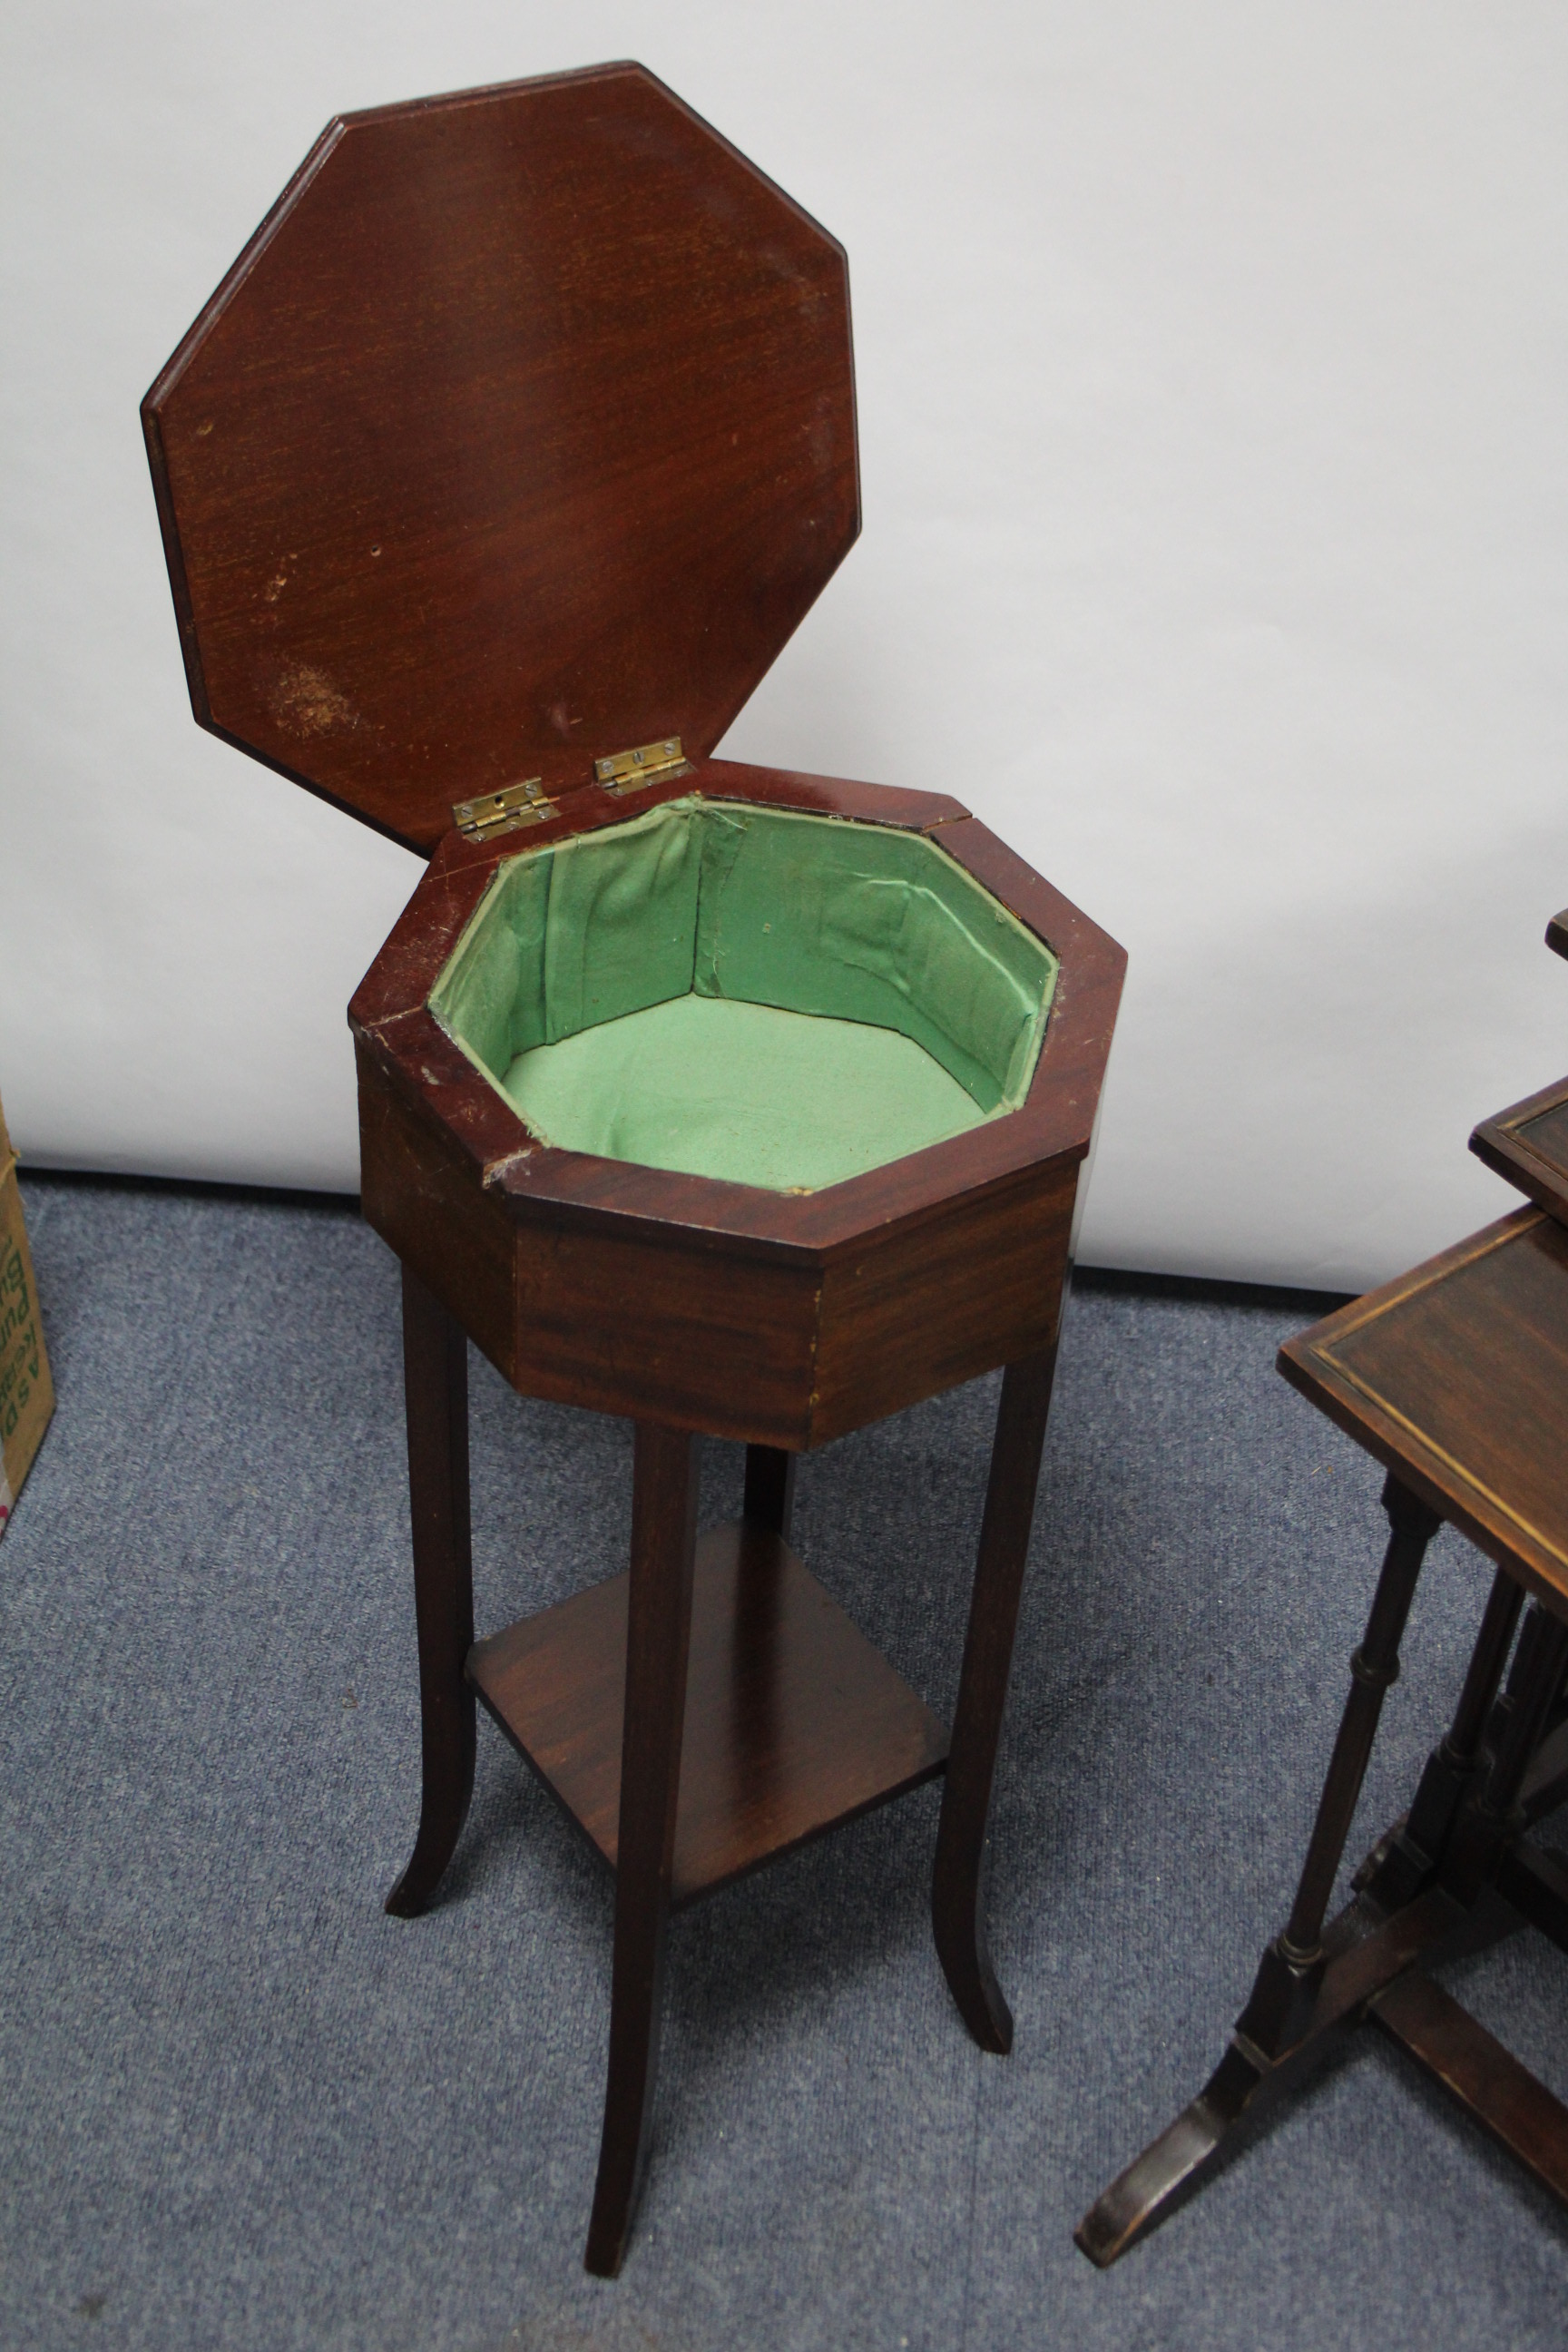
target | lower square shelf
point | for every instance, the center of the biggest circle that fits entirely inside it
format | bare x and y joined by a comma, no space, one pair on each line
794,1722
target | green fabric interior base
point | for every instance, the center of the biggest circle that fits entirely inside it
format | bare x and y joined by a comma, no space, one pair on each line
746,993
719,1088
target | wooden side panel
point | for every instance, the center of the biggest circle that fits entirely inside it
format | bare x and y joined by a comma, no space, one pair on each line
659,1326
910,1313
423,1196
665,1329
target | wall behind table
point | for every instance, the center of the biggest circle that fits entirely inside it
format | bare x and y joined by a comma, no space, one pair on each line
1211,367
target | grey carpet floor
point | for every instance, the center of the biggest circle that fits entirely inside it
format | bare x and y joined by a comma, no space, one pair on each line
241,2107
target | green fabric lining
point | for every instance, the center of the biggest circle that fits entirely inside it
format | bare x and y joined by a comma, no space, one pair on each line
714,1087
868,924
828,925
623,922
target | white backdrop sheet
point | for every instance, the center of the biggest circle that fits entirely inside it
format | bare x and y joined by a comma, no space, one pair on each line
1211,370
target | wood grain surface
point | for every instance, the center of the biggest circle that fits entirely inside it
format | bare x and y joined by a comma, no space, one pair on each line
1455,1376
655,1650
1497,2091
522,432
1528,1146
436,1396
794,1722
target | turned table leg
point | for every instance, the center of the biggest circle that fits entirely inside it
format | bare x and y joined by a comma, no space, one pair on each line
658,1627
1406,1857
1372,1668
436,1396
1488,1848
1289,2008
1494,1815
958,1913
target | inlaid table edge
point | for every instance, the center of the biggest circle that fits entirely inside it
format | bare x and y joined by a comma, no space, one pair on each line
1309,1363
1500,1144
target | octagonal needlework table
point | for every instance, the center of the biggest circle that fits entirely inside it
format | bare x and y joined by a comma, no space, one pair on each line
722,1098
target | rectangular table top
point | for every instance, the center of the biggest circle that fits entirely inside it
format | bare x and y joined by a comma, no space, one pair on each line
1455,1376
1527,1145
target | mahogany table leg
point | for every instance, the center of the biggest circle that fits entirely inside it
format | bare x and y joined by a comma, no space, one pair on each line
1495,1816
1500,1738
658,1628
1487,1847
1286,2013
958,1911
1372,1668
1546,1783
1535,1692
768,1502
1404,1859
436,1396
770,1488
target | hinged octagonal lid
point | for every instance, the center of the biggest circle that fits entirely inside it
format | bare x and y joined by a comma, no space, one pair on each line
522,432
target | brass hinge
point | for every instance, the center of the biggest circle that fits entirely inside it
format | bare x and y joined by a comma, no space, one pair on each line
493,813
628,771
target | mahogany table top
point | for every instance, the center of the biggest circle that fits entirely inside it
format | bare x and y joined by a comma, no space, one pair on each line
1527,1145
1455,1376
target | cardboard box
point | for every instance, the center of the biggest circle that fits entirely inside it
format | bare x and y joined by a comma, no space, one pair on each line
26,1391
